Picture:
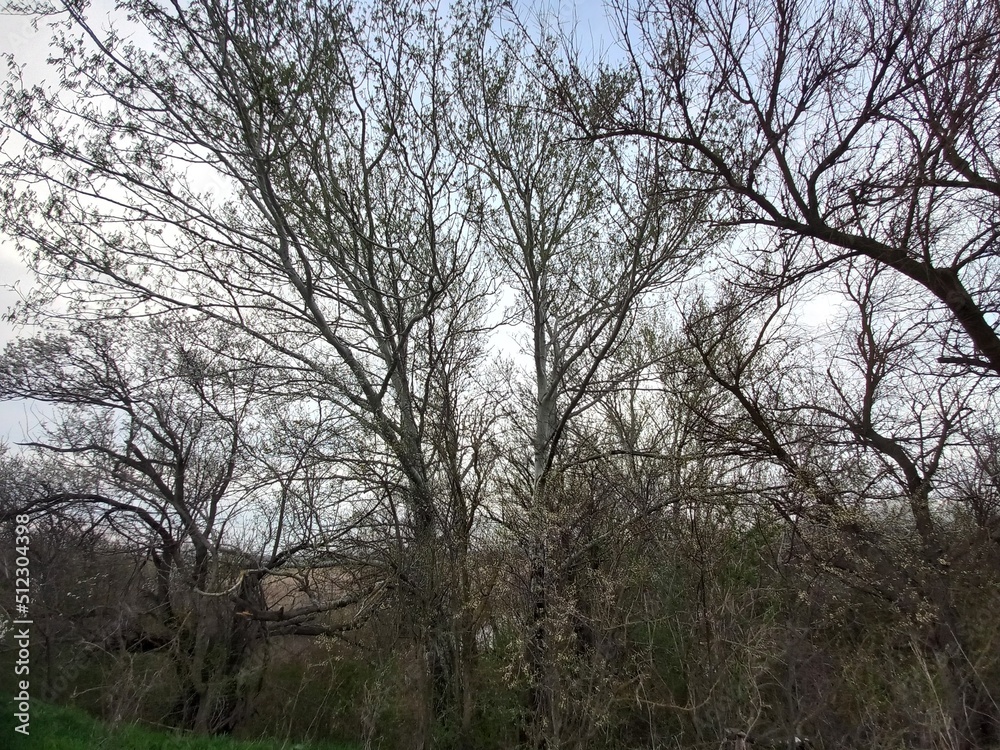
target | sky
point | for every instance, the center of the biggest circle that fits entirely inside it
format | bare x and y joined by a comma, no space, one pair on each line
30,49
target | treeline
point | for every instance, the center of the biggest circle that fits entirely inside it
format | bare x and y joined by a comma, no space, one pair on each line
412,378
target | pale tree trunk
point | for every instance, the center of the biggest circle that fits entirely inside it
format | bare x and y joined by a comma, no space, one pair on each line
542,730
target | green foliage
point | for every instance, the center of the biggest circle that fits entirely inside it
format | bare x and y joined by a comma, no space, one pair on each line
310,697
61,728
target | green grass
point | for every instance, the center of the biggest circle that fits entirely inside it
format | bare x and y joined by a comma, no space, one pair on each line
60,728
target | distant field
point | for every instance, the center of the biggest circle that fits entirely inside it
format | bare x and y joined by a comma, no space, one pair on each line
58,728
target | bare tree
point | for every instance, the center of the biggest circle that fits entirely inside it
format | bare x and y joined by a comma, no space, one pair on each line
282,169
828,132
856,453
581,240
150,440
151,448
854,138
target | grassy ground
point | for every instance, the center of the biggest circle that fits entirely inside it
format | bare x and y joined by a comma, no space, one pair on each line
58,728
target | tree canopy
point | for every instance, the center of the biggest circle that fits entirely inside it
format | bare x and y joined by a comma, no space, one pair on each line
541,401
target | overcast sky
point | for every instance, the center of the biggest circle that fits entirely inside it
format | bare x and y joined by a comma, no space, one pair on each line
30,48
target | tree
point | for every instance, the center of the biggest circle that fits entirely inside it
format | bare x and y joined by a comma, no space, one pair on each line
152,442
150,449
856,454
281,169
827,132
582,241
852,140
